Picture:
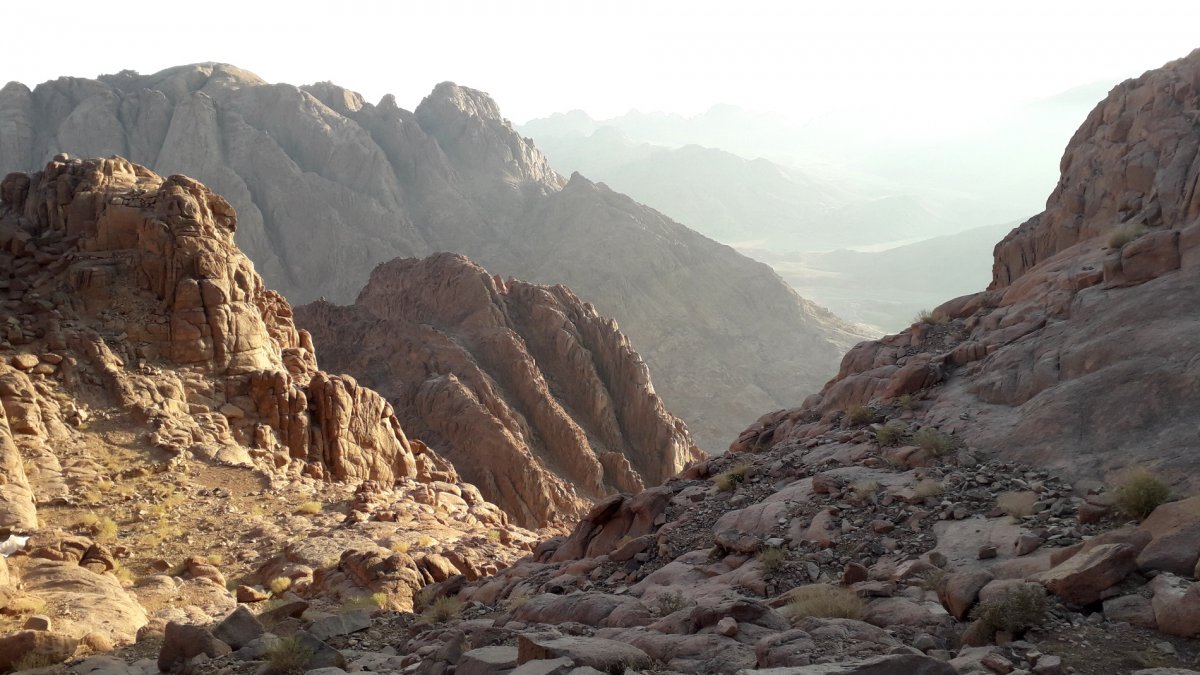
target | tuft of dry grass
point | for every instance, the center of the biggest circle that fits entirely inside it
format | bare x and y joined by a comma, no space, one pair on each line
889,434
288,656
669,602
936,317
442,609
934,441
858,415
368,602
772,558
1123,234
729,479
279,585
864,489
1140,492
1017,504
400,547
1020,609
906,402
928,487
824,601
309,508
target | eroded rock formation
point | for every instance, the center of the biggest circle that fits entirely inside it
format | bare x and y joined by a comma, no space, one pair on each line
534,396
1079,355
152,389
327,186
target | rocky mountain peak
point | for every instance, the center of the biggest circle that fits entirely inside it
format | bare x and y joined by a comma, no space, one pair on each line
542,402
1132,163
1074,356
479,141
148,375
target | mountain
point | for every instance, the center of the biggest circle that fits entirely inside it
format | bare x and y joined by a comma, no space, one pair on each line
1078,354
887,288
161,413
744,202
535,397
987,166
328,186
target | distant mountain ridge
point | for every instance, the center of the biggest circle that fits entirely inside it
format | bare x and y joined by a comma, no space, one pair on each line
327,186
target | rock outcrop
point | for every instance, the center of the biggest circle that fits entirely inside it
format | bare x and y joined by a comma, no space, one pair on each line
531,394
158,404
327,186
1079,354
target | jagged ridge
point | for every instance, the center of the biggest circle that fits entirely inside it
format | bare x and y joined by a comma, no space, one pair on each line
328,186
535,397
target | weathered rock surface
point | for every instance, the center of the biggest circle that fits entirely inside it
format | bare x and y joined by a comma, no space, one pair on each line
327,186
537,399
148,379
1079,346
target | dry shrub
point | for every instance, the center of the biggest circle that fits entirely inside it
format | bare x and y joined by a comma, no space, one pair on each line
934,441
1140,493
288,656
1124,234
772,558
857,414
442,609
825,601
1017,504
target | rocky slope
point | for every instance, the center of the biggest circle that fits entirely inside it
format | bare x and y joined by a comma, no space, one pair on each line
327,186
1078,355
160,411
535,397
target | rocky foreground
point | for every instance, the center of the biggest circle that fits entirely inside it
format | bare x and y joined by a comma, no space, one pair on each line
534,396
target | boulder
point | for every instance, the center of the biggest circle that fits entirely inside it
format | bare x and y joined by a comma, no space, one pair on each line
239,628
598,653
43,645
182,642
487,661
1083,578
958,591
1174,530
1176,604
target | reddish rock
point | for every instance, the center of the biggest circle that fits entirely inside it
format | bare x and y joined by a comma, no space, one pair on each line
1176,604
1082,579
1174,530
959,590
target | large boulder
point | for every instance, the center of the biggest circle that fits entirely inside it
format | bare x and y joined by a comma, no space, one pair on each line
1082,579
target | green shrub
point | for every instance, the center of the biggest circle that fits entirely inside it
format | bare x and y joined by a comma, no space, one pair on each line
288,656
1140,493
772,558
1020,609
933,440
1124,234
824,601
858,415
889,434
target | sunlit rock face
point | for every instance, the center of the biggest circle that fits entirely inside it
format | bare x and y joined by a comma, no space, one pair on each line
327,186
1079,354
535,397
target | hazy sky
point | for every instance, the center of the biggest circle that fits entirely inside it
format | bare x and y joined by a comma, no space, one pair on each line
795,57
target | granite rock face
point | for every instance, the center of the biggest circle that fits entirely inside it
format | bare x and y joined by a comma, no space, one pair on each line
535,397
327,186
1079,354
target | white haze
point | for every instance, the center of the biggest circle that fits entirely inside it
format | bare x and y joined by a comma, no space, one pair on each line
903,68
887,122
